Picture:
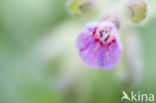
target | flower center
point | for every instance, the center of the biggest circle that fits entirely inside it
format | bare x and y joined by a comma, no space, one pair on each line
104,35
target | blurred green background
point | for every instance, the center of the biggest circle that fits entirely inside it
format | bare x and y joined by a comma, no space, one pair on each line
40,64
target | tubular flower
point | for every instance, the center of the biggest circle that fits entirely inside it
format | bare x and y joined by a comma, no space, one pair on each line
99,45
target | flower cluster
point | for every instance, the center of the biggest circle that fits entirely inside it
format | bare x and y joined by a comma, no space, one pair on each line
99,43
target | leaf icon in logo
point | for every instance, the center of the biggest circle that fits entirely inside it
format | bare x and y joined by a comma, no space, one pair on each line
125,96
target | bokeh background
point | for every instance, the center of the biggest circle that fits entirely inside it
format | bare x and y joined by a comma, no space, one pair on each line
40,64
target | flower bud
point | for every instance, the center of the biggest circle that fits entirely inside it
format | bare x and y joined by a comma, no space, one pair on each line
137,10
79,7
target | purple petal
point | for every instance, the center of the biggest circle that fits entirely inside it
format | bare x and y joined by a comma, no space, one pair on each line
98,57
110,56
86,35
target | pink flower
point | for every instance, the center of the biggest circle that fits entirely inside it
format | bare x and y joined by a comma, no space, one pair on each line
99,45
